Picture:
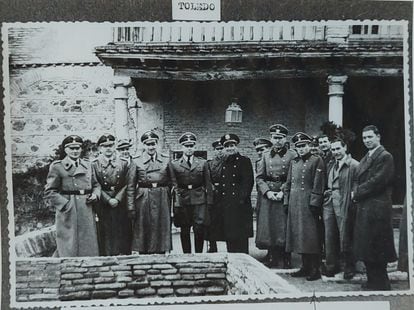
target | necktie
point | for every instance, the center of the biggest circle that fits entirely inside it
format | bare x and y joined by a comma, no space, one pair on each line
189,161
336,165
152,158
76,164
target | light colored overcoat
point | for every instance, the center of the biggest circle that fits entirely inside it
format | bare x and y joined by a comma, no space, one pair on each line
75,219
304,188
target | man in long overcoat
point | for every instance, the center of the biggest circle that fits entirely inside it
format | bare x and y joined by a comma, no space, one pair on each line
215,231
194,194
152,208
117,186
338,214
72,189
272,172
304,189
372,189
236,186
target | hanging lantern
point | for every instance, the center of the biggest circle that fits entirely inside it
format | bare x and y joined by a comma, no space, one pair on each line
233,113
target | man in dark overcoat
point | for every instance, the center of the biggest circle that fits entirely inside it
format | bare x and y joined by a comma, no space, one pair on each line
151,213
215,231
72,189
116,182
303,197
337,211
261,146
271,176
235,188
372,189
193,192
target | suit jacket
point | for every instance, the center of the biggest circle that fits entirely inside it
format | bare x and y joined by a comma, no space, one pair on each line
372,186
192,184
345,177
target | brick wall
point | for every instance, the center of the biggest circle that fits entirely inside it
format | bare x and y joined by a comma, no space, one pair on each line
301,104
70,279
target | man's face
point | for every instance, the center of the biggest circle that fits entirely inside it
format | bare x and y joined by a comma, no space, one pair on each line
370,139
218,152
324,144
150,147
107,150
188,149
73,151
303,149
231,148
261,150
124,152
278,141
338,150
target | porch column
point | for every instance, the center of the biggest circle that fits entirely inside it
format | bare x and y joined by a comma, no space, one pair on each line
121,85
336,92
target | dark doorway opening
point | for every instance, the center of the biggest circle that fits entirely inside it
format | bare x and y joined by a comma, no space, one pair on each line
379,101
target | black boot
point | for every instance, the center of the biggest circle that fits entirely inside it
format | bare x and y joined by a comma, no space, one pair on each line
304,270
287,261
273,259
314,273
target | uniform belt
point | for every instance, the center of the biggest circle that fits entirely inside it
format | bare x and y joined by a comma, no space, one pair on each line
110,188
79,192
278,178
151,185
189,186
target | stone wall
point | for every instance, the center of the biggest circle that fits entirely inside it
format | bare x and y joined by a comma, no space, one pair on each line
70,279
48,103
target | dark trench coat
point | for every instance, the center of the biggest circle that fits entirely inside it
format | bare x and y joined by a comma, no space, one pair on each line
272,172
152,226
235,189
373,233
114,226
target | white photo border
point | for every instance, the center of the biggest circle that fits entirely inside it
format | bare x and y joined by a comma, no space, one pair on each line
407,81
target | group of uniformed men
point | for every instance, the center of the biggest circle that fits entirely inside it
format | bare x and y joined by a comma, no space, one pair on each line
118,204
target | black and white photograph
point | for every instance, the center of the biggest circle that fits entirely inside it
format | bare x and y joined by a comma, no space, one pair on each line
201,161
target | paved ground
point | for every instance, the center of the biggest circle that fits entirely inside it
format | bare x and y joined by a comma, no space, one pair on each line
398,279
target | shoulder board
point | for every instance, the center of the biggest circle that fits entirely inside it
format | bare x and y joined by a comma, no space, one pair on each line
56,162
123,159
95,159
136,156
164,155
267,151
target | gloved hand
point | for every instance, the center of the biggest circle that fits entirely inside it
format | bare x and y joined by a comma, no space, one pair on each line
132,214
315,211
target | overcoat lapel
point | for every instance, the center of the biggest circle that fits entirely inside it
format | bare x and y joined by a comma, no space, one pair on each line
183,163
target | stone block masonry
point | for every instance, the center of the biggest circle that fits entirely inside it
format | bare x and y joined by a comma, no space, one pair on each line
148,276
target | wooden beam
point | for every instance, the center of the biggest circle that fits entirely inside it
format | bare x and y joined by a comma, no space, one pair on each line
251,74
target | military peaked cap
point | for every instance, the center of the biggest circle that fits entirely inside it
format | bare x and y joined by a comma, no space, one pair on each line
123,144
217,144
149,136
106,139
261,142
278,129
187,138
229,138
73,140
300,138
